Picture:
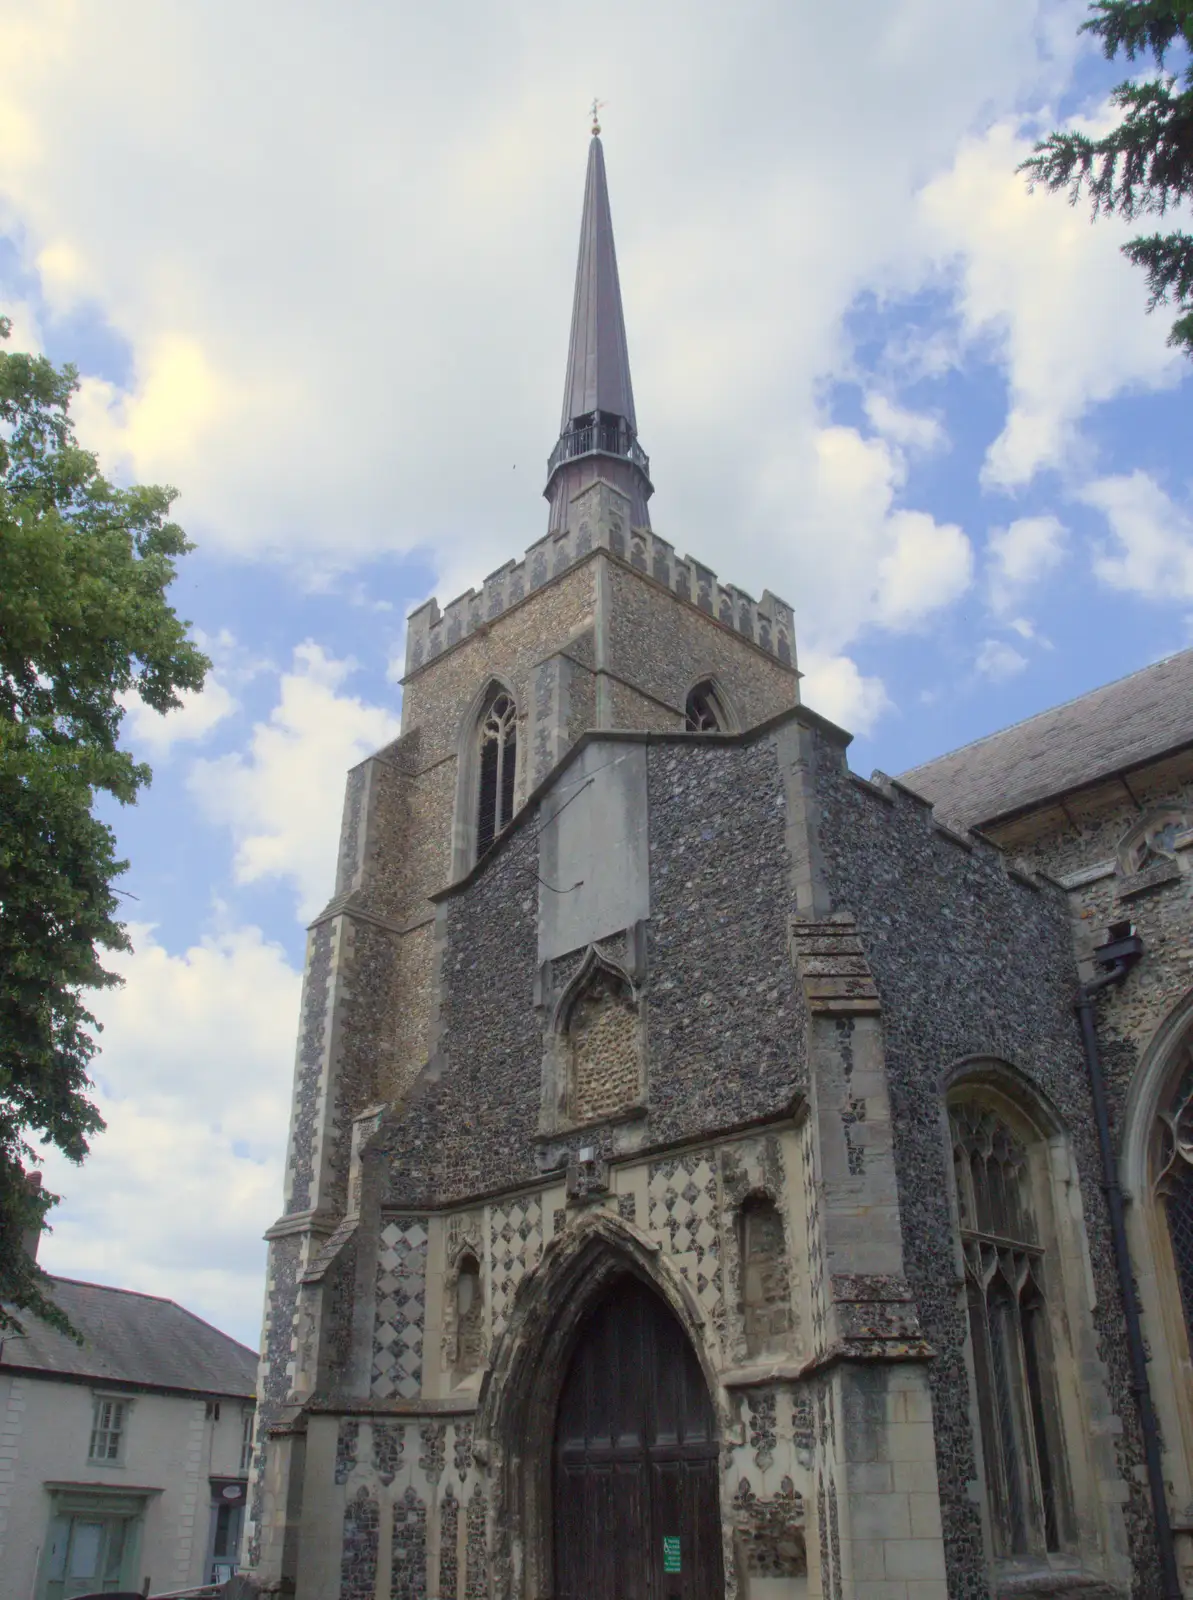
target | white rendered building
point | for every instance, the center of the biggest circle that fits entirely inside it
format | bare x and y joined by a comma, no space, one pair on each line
123,1460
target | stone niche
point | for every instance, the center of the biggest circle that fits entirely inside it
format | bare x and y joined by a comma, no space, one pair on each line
464,1340
594,1056
604,1059
765,1281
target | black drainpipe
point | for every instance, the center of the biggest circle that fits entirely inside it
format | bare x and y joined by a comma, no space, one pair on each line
1117,958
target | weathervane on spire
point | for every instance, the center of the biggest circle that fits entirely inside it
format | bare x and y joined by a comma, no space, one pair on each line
596,106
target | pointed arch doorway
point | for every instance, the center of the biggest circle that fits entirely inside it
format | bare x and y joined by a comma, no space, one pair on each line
635,1459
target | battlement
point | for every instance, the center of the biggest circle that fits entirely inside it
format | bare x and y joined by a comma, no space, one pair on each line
599,521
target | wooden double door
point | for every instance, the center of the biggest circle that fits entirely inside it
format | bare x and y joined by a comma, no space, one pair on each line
636,1474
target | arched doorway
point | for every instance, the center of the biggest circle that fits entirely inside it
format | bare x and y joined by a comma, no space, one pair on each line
636,1502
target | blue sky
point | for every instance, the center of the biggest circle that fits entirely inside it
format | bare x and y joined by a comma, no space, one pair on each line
315,264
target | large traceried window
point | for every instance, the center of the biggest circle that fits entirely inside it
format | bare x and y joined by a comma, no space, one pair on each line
498,764
1174,1182
1006,1282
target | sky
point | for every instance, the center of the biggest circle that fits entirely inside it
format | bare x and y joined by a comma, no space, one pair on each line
314,263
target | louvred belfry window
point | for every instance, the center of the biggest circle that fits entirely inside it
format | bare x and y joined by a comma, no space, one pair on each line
1008,1324
498,762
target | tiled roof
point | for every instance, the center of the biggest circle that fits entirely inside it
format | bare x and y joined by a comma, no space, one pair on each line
1121,725
132,1338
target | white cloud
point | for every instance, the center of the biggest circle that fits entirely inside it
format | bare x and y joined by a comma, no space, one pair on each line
856,558
336,348
1152,553
282,798
384,377
928,566
25,333
1018,557
835,687
194,1083
914,430
1063,307
998,661
153,734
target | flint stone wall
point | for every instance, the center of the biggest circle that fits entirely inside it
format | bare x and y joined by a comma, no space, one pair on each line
969,961
725,1023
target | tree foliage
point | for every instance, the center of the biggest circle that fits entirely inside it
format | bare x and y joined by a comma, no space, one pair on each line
1144,165
84,623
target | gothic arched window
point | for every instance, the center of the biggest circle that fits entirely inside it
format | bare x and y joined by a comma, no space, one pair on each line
498,763
1006,1292
1174,1184
704,712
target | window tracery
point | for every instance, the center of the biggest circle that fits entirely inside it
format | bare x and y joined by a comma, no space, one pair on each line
1005,1281
1174,1181
704,712
1150,842
498,765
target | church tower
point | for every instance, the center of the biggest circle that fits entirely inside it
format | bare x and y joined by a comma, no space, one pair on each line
693,1190
600,624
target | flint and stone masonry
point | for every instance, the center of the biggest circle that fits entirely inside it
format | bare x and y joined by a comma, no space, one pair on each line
702,1012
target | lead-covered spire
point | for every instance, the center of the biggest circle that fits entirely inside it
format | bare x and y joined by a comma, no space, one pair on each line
598,375
598,430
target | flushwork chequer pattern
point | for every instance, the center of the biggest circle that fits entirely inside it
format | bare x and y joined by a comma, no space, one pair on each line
401,1296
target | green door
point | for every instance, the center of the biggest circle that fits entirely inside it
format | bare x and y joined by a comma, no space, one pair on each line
86,1555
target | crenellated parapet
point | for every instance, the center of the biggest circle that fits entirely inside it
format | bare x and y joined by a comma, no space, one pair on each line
599,521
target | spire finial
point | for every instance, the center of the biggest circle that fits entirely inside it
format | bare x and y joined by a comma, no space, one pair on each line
596,106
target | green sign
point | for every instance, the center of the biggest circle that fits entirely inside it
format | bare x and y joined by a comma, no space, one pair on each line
671,1555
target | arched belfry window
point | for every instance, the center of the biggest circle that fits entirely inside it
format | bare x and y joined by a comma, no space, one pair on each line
1006,1283
498,764
705,711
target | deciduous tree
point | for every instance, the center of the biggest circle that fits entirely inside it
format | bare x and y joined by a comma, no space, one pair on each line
84,624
